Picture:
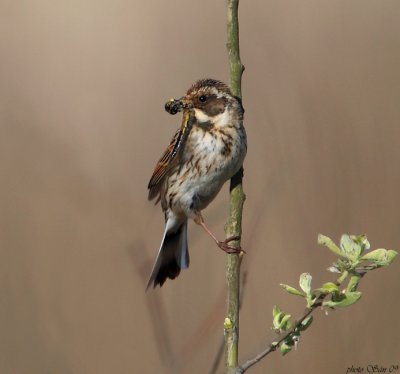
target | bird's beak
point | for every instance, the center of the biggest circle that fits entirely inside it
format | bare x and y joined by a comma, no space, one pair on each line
186,103
174,106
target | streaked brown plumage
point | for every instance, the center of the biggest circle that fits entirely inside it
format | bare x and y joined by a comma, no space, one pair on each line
204,153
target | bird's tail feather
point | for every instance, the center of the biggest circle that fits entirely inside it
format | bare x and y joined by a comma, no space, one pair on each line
172,256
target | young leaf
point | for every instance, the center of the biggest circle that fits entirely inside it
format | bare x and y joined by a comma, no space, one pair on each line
362,241
292,290
277,320
305,283
380,256
391,254
285,348
346,300
284,322
275,311
350,248
328,287
328,242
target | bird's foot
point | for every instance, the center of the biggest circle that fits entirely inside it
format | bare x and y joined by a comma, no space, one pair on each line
224,245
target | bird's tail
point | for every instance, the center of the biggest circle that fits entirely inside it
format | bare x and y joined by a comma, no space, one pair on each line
172,256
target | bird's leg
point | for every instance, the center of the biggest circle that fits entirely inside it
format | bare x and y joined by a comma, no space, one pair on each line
224,245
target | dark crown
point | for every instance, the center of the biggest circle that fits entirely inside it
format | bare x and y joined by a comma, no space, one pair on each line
208,82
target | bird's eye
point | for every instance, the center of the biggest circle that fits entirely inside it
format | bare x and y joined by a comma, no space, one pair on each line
202,98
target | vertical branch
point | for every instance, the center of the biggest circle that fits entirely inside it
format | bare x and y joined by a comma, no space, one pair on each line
235,65
233,226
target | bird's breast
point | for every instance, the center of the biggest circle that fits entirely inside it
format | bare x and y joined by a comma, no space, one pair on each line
210,157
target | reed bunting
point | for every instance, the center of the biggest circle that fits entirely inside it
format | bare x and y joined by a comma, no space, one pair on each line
207,150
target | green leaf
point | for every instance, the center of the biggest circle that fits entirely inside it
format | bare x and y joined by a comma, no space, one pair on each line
328,287
305,283
284,322
292,290
305,323
349,247
280,319
380,256
391,255
375,255
277,320
275,311
362,241
285,348
328,242
345,300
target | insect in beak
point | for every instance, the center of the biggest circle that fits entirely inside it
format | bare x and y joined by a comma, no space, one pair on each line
174,106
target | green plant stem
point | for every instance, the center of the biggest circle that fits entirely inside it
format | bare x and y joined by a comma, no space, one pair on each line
236,67
233,226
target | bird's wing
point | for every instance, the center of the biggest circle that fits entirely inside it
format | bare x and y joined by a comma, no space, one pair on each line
170,157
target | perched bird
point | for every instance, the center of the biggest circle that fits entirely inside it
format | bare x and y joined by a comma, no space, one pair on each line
204,153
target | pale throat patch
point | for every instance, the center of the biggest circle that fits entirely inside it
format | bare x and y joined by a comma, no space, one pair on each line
201,116
221,119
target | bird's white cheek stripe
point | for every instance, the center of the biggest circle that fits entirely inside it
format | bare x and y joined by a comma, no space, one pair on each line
220,119
201,116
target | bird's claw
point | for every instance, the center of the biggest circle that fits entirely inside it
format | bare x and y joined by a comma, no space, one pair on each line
227,248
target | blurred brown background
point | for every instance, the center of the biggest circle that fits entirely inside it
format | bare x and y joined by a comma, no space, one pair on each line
83,84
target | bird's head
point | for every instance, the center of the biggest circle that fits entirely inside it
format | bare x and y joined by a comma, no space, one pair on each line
210,100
